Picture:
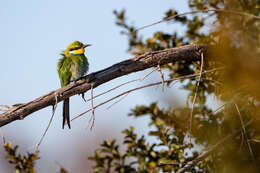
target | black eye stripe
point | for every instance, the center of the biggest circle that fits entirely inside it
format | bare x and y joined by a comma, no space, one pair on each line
76,48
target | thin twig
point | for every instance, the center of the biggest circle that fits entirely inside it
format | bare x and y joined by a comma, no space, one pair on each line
161,75
219,108
139,79
227,103
207,152
199,11
3,136
118,101
5,106
169,163
145,86
196,92
245,134
216,82
92,108
49,124
118,86
242,141
254,140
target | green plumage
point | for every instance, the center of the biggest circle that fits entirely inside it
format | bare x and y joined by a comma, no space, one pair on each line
72,66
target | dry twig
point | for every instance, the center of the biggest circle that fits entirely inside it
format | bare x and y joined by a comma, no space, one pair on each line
92,109
244,133
161,75
145,86
49,124
125,83
199,11
4,106
2,135
196,92
117,101
254,140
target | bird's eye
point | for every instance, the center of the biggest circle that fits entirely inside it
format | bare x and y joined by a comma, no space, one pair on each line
73,49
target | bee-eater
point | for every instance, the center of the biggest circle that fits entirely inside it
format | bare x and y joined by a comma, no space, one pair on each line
72,66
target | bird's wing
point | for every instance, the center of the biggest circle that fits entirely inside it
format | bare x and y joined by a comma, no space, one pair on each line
64,72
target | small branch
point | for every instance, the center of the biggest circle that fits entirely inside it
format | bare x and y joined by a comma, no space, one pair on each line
92,109
138,63
244,133
206,153
162,76
199,11
145,86
2,135
254,140
125,83
139,79
5,106
196,92
118,101
49,124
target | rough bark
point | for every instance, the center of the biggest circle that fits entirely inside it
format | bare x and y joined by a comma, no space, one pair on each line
138,63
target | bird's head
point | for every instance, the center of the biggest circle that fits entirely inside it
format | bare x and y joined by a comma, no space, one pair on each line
76,48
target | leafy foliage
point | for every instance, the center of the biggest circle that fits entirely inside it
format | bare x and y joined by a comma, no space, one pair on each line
233,42
23,164
167,154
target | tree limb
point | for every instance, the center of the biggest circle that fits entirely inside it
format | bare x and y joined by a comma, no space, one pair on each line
138,63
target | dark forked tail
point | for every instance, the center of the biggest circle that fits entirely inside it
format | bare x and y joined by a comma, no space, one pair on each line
66,112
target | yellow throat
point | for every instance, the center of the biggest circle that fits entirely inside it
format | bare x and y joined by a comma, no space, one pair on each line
78,51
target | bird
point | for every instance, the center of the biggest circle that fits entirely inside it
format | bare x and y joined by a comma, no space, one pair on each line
72,66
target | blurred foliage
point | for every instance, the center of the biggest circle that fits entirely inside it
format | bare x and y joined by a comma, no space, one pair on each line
23,164
233,42
168,154
62,170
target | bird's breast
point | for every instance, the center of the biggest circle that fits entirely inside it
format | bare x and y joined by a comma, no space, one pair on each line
79,68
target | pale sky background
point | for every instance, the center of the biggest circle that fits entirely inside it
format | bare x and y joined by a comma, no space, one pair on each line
33,34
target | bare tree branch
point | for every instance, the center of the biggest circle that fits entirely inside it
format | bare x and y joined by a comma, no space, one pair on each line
138,63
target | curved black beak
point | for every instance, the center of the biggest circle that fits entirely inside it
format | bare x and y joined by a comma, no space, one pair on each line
86,45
